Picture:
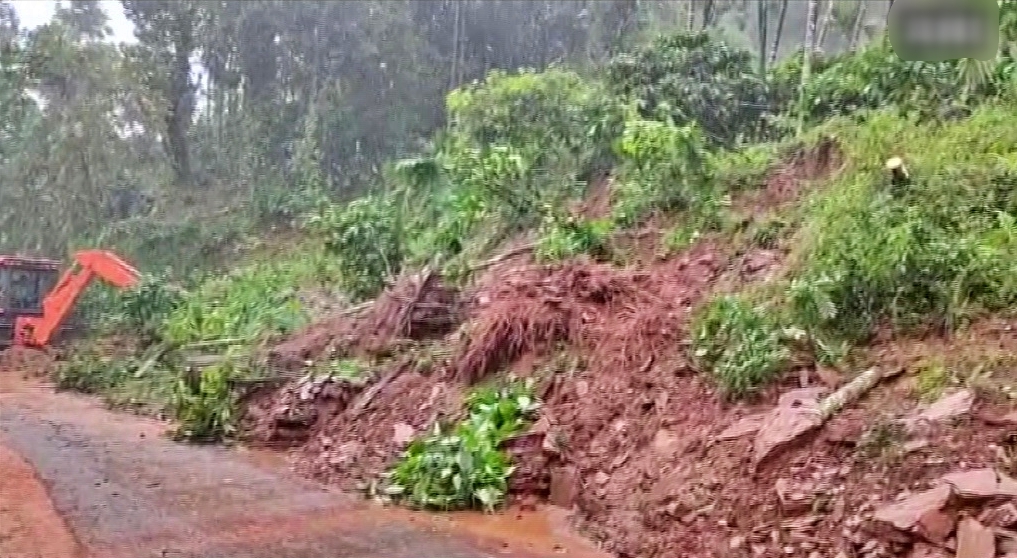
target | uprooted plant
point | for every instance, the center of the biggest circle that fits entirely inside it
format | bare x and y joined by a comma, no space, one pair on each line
464,465
204,404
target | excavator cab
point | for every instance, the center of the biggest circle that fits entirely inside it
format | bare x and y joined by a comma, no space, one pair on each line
24,283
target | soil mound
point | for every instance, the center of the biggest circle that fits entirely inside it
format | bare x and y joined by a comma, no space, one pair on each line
358,443
800,166
620,317
652,462
286,416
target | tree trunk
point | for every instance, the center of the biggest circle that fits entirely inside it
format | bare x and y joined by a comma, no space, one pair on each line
780,31
856,29
708,13
762,9
810,39
690,16
454,73
824,25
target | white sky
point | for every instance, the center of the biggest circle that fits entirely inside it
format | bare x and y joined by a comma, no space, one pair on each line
34,13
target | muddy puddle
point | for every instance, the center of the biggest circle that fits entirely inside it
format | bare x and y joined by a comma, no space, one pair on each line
542,531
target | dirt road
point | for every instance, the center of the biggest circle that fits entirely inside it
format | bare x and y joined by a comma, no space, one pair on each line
127,492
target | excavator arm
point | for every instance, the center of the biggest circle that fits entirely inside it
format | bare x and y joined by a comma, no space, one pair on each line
37,331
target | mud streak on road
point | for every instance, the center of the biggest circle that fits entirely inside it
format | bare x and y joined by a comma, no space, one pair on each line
127,492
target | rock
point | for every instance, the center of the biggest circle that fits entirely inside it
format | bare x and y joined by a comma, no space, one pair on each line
905,514
542,426
550,444
564,487
601,478
665,442
403,433
1009,419
783,426
346,453
923,550
935,526
915,445
1003,516
743,427
981,483
974,540
946,407
792,502
736,542
582,388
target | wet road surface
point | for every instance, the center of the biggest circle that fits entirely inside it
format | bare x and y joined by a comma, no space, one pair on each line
127,492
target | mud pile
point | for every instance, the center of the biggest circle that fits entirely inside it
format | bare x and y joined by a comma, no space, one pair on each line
417,307
622,316
285,416
631,324
650,460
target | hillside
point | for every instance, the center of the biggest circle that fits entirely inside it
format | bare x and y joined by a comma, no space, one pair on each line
634,433
689,302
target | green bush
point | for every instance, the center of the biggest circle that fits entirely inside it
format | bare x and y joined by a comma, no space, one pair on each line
464,466
206,410
563,236
930,252
251,302
740,344
366,237
874,77
555,119
695,79
664,168
87,371
146,307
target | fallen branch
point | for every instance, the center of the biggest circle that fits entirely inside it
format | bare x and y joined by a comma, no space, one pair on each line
502,257
786,423
366,396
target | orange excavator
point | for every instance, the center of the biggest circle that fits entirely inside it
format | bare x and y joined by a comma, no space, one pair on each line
35,305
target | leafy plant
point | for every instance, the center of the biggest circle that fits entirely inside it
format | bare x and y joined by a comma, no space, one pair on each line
740,344
366,237
87,371
247,304
145,308
930,253
664,168
206,411
874,77
565,236
695,79
464,466
555,119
